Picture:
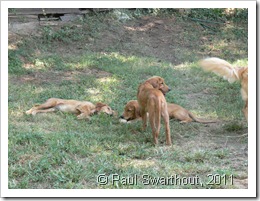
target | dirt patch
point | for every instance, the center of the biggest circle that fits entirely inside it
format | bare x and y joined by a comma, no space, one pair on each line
160,38
58,76
28,28
165,38
241,183
13,40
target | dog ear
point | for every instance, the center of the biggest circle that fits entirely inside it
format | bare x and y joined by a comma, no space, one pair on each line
155,83
99,106
137,111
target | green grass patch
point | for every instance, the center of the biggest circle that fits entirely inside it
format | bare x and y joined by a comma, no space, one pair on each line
58,151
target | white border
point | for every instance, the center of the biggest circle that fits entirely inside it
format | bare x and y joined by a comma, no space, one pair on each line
250,192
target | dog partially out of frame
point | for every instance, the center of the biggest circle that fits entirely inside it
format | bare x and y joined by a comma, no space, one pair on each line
151,100
83,109
132,113
230,73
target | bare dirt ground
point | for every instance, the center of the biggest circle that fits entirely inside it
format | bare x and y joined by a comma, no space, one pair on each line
162,38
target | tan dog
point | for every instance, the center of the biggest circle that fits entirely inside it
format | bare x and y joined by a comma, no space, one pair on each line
132,112
83,109
151,100
227,71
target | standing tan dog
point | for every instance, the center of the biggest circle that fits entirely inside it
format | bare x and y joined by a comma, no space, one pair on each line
151,100
132,112
230,73
83,109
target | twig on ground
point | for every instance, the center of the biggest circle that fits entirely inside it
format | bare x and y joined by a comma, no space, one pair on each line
207,27
235,136
238,135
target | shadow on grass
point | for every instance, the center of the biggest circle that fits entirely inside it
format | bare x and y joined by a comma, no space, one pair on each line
114,79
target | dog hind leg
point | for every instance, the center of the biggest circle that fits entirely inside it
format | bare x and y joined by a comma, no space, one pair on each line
144,118
245,110
154,125
155,118
44,111
48,104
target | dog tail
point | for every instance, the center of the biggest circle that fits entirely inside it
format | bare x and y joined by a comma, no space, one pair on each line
204,121
221,68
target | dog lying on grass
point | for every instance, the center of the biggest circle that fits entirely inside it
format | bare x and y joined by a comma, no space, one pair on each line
230,73
151,100
132,112
83,109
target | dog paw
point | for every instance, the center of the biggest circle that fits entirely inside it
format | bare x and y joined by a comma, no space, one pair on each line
122,121
34,113
156,141
168,143
183,122
28,112
81,116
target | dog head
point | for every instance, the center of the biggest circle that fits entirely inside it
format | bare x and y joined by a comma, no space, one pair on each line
131,111
158,83
103,108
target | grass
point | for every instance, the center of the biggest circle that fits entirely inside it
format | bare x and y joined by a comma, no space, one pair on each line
58,151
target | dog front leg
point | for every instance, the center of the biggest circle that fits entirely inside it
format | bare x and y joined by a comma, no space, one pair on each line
83,116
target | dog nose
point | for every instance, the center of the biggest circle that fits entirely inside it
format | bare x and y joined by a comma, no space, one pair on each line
121,117
169,89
